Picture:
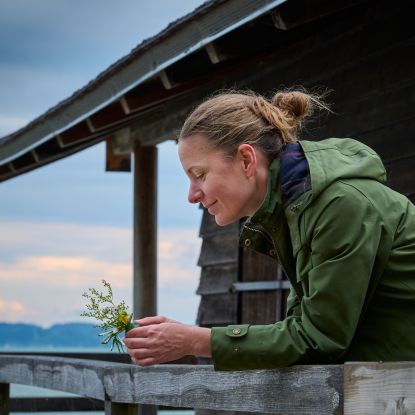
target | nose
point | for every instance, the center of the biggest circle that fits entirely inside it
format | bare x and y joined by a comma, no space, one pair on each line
195,194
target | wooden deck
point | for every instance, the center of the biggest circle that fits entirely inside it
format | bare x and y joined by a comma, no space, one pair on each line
353,388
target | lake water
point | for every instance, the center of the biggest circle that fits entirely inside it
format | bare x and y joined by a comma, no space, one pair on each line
30,391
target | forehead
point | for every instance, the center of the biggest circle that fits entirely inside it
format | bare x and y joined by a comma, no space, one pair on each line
196,149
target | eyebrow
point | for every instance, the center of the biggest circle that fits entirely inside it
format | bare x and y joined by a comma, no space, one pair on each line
190,169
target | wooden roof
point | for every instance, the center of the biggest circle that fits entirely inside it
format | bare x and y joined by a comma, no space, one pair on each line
260,44
132,91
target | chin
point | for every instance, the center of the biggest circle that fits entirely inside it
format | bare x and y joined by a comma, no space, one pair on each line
223,221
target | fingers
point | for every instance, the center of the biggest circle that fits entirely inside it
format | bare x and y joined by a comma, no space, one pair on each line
137,332
137,342
148,361
139,354
146,321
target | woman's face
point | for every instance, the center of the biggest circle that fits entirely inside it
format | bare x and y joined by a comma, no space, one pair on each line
229,189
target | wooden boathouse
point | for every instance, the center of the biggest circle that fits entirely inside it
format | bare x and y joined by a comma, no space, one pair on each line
362,50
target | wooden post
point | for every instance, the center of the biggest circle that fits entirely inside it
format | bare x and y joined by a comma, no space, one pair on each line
145,239
114,408
4,398
379,388
145,231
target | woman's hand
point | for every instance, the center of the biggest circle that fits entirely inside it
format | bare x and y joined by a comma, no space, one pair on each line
147,321
160,339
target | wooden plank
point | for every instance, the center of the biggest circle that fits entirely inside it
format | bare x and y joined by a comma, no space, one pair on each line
213,53
218,310
379,388
400,133
401,175
209,227
124,105
145,231
64,404
299,389
113,408
55,404
4,398
217,279
90,125
105,356
308,390
110,115
165,80
258,307
116,162
218,249
144,250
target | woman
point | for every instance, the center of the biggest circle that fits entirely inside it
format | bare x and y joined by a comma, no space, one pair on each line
344,239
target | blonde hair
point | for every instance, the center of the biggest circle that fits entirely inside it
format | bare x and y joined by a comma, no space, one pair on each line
233,118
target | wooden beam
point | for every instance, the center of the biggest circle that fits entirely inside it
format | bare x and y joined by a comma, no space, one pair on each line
116,162
124,104
379,388
35,156
145,242
113,408
278,20
59,140
90,125
11,167
165,80
4,398
145,231
55,404
314,389
213,53
122,142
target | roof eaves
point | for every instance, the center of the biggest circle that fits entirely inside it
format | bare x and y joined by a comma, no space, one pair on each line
207,23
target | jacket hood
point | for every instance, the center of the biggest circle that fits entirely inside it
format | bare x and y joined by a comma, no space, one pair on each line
340,158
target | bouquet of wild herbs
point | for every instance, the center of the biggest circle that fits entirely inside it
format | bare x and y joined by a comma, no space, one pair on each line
114,319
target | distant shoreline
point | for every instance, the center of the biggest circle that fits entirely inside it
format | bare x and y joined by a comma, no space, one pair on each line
59,337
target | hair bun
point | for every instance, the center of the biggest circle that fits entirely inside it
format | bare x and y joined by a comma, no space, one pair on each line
296,104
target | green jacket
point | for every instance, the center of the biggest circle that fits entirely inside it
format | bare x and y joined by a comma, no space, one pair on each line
348,248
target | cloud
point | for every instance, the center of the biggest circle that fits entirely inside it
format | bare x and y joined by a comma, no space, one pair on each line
66,271
53,264
29,239
13,307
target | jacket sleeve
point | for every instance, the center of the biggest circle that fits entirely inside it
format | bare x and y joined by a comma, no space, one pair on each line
343,240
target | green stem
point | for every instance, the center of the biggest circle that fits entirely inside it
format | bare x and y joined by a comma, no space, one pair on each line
130,326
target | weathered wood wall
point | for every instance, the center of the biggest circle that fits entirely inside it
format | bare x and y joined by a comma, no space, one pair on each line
364,54
218,261
223,263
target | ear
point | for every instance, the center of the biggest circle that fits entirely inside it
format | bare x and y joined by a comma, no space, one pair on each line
246,154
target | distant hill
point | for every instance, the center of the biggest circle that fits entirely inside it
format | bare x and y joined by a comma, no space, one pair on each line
59,335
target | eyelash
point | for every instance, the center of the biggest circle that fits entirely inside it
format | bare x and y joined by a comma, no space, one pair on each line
200,176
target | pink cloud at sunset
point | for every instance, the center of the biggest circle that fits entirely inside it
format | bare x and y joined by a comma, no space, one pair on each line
43,283
13,307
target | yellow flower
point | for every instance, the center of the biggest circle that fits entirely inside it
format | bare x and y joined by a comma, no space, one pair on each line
123,319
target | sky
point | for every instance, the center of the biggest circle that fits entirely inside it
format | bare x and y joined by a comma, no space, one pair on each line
66,226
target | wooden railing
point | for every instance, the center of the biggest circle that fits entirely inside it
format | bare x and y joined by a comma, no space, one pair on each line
353,388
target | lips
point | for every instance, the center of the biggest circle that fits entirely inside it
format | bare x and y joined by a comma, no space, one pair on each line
208,207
